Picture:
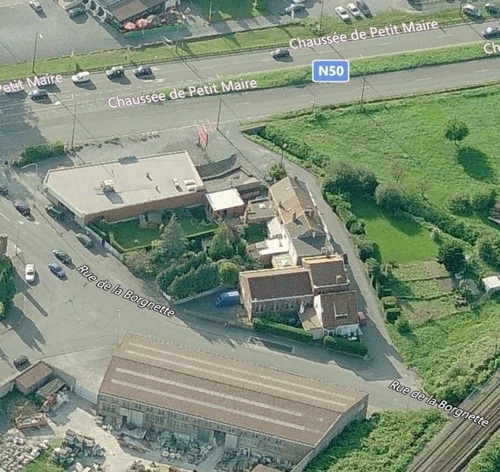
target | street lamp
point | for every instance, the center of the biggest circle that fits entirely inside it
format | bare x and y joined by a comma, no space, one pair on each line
220,108
321,16
74,128
37,35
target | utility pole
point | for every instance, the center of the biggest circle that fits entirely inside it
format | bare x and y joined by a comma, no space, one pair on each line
34,53
176,35
74,128
17,238
220,109
321,16
363,92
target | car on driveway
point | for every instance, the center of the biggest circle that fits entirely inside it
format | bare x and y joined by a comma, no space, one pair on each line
491,33
36,6
279,53
57,270
39,94
342,12
472,11
85,240
492,9
364,8
29,273
354,10
22,207
81,77
74,12
54,212
20,362
115,72
294,8
142,71
62,256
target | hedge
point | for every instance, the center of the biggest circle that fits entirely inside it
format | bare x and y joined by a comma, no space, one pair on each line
389,302
32,154
344,345
392,314
297,334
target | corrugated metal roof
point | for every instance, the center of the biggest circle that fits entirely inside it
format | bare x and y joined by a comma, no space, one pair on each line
33,375
226,390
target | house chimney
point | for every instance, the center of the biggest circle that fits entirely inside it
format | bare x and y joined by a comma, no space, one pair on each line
280,203
314,234
294,216
339,279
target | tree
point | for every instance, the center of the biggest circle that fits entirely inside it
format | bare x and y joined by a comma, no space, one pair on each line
139,262
456,131
229,272
374,268
489,250
342,177
172,243
452,256
221,246
277,172
390,197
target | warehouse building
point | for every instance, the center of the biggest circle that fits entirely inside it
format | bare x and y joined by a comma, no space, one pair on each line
224,401
125,188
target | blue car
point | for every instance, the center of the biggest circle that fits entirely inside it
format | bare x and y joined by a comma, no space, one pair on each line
57,270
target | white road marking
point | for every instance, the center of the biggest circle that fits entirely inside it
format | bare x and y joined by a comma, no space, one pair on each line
4,217
20,222
180,111
206,68
384,44
242,103
445,36
425,78
159,81
481,71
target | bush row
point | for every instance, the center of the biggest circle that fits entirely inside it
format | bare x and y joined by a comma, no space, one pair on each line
7,286
32,154
201,279
344,345
298,334
466,203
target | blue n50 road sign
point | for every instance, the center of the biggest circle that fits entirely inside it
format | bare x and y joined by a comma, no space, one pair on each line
330,71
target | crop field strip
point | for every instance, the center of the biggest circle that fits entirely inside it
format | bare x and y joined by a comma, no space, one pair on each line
455,451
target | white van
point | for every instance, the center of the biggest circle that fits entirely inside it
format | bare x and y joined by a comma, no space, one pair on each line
81,77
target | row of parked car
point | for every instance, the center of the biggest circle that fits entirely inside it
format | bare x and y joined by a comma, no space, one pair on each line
115,72
357,10
72,13
491,32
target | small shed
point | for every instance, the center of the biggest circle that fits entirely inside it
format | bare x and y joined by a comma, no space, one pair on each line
224,203
34,377
491,284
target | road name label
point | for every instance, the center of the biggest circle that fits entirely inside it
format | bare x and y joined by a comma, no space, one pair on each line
32,82
491,48
441,404
358,35
107,286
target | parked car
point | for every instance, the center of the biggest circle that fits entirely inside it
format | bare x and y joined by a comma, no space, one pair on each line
142,71
115,72
39,94
492,9
74,12
57,270
29,273
364,8
81,77
85,240
21,361
294,7
279,53
62,256
228,299
361,318
472,11
54,212
4,190
36,6
22,207
491,33
342,12
354,10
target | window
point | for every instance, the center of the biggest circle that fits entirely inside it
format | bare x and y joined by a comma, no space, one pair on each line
259,308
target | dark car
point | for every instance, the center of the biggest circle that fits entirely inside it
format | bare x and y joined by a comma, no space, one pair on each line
22,207
39,94
279,53
21,361
364,8
142,71
85,240
492,9
62,256
76,12
57,270
54,212
115,72
491,33
3,190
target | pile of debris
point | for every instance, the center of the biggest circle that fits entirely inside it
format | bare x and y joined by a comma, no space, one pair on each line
75,446
28,422
243,460
93,468
16,453
139,466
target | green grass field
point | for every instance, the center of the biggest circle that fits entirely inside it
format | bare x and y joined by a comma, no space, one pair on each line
127,232
398,239
44,464
227,9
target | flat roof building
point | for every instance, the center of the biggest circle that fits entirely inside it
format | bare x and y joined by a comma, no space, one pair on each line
127,187
224,401
225,203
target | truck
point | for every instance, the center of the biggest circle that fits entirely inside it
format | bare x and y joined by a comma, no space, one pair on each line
228,299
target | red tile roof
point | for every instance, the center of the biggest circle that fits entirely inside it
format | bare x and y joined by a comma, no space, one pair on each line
337,304
326,270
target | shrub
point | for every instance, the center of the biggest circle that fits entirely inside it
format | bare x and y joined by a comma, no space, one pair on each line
390,197
484,199
460,204
403,325
32,154
342,177
489,250
436,234
365,247
358,227
270,327
392,314
344,345
383,290
452,256
389,302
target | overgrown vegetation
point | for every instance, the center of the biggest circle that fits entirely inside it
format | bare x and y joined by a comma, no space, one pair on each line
344,345
298,334
44,463
488,458
40,152
387,442
7,285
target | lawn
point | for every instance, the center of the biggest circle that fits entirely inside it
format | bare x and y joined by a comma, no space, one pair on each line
127,232
398,239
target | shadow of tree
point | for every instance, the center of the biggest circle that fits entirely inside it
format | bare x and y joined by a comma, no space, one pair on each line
475,163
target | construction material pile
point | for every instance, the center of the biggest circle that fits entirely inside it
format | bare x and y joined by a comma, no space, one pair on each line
16,453
27,422
76,446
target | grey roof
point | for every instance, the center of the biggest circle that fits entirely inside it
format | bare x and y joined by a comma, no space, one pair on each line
33,375
135,180
305,247
225,390
126,9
